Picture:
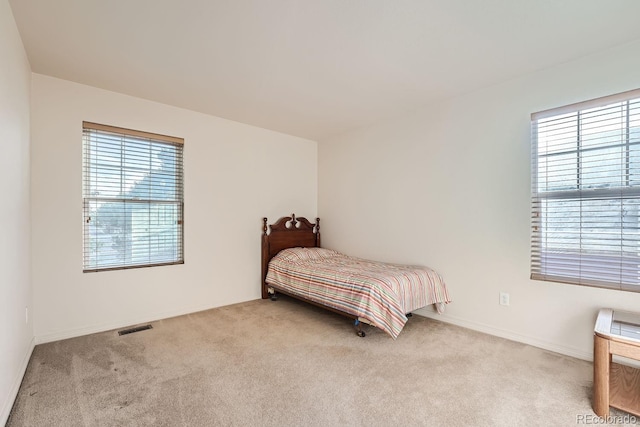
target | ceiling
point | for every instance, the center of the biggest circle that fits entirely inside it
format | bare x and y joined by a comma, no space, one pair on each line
311,68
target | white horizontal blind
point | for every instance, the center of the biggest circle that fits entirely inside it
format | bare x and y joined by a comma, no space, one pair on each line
586,193
132,198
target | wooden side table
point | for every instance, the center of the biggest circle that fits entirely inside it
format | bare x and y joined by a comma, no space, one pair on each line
617,333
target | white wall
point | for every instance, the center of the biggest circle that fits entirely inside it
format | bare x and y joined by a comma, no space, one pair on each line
449,187
16,334
234,175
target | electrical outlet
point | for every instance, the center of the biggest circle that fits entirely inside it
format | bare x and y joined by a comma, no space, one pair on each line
26,315
504,298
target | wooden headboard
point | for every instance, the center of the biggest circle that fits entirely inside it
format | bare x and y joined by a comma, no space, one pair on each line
287,232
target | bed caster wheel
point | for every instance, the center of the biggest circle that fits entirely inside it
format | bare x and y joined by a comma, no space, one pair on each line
361,334
409,314
273,297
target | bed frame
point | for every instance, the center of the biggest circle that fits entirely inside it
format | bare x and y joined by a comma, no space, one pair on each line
292,232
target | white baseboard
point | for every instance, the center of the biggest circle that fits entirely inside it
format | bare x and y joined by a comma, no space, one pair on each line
510,335
13,393
93,329
476,326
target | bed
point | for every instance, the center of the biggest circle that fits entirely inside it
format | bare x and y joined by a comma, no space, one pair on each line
380,294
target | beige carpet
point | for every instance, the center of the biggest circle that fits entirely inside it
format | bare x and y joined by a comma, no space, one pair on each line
285,363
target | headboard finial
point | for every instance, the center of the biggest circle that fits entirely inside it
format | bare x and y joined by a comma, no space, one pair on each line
264,226
293,220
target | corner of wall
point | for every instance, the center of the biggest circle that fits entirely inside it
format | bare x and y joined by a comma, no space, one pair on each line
17,382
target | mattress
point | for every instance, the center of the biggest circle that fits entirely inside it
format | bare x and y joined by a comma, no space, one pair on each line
378,293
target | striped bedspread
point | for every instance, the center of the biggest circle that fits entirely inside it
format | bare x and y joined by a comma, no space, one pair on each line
379,293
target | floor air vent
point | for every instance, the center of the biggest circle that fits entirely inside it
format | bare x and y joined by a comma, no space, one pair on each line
136,329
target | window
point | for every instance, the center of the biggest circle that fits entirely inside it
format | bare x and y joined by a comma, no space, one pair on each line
586,193
132,198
